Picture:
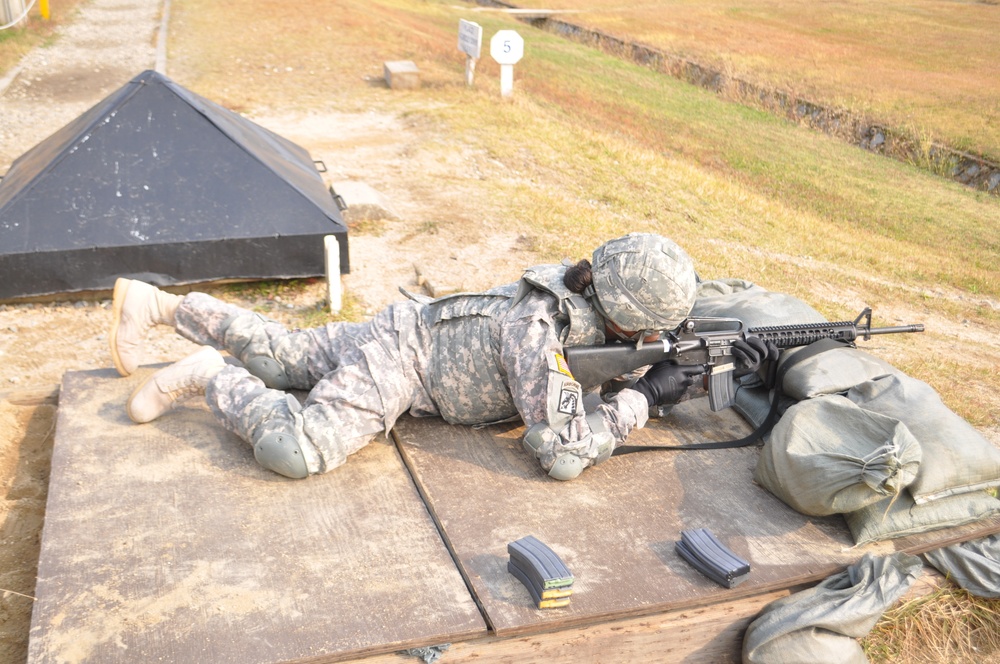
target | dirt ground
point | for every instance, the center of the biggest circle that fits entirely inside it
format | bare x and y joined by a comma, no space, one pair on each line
39,342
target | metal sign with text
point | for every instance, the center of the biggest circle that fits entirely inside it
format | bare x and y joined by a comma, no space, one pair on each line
470,38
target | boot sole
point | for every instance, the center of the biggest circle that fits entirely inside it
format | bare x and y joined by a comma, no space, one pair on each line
118,301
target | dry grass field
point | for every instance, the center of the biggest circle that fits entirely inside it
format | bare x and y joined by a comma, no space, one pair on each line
926,66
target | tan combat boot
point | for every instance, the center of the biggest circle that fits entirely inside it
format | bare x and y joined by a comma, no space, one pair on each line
137,307
186,378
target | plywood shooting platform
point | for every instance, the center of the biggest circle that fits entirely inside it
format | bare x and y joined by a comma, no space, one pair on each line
167,542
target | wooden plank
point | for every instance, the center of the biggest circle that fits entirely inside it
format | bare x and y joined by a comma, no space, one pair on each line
616,525
712,635
709,634
167,542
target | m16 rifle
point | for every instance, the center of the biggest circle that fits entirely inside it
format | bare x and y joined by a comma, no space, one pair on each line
708,342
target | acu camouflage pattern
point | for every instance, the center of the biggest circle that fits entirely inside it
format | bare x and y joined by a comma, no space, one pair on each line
583,324
471,358
526,332
465,375
359,379
644,282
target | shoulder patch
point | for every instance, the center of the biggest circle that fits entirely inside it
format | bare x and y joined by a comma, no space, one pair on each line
559,364
569,399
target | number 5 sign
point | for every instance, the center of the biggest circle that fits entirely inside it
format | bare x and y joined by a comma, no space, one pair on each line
507,48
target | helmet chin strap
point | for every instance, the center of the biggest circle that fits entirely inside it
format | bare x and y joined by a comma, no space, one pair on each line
591,296
636,337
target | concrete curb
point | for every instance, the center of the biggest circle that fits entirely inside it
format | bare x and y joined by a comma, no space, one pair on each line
10,77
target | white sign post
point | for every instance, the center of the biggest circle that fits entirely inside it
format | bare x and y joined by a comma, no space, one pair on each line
470,42
507,48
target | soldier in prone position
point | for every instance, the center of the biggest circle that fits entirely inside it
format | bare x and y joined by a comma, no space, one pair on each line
469,358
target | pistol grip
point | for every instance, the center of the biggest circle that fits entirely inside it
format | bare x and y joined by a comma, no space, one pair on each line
720,390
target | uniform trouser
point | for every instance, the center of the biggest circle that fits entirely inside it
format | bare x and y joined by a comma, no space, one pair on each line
344,409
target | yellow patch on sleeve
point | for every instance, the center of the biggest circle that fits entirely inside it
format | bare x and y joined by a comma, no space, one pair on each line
561,365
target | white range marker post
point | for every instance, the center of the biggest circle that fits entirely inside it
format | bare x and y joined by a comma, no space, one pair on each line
507,48
470,42
331,260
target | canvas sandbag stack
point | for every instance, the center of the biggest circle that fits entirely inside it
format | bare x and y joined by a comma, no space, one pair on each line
960,466
755,306
888,520
963,461
825,456
828,456
857,436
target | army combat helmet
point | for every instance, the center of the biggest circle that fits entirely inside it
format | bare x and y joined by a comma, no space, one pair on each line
643,282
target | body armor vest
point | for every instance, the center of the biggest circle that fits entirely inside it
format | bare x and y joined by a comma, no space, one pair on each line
466,379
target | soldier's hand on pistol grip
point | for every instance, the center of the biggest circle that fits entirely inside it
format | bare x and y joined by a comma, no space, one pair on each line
752,353
665,383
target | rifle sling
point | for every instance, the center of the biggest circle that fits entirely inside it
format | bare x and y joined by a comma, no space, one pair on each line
811,350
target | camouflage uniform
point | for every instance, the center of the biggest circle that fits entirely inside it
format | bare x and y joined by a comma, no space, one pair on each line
471,358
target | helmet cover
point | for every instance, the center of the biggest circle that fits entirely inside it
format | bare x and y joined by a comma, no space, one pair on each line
643,281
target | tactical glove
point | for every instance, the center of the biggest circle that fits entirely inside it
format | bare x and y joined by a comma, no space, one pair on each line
665,383
752,353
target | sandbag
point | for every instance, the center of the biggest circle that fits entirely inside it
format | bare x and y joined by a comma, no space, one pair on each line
890,519
753,403
820,625
973,565
755,306
957,458
828,456
832,372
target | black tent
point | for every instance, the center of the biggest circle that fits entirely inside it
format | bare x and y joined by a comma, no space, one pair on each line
158,183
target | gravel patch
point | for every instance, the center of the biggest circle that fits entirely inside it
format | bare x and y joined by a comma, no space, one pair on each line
106,45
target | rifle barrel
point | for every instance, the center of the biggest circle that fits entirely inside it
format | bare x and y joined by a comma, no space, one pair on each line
898,329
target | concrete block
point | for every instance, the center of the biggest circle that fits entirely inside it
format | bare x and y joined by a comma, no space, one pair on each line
363,202
401,75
